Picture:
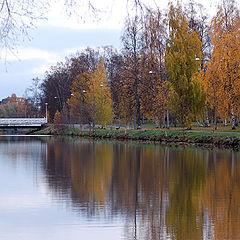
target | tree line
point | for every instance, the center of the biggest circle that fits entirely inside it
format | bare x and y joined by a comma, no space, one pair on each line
175,66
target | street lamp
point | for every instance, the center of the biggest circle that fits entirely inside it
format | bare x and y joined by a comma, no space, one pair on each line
167,113
101,85
46,111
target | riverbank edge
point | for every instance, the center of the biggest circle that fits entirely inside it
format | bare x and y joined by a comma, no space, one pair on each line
201,139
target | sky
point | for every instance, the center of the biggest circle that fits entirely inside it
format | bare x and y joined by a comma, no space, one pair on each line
61,35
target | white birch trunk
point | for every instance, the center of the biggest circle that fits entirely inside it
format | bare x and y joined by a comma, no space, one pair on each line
233,119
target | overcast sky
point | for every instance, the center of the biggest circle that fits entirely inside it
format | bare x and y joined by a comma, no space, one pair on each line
60,36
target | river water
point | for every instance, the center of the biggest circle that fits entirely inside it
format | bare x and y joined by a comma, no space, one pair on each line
71,188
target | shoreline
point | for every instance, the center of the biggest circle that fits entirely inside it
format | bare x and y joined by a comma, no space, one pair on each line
176,138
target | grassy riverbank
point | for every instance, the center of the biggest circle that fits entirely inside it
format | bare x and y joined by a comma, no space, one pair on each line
175,137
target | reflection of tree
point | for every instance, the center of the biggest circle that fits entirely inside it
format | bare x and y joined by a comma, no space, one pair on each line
57,167
161,192
186,182
222,193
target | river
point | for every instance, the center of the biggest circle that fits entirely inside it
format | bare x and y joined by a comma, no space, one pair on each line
71,188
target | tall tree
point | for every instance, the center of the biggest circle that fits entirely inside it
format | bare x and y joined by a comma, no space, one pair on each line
182,48
56,86
99,95
79,109
226,57
114,68
91,99
132,71
154,89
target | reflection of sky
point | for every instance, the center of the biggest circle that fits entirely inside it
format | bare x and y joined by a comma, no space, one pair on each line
27,208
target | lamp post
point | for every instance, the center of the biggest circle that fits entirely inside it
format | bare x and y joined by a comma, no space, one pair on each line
93,111
46,104
101,85
166,125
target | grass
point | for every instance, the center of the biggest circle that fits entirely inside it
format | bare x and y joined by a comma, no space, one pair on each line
174,135
220,128
151,134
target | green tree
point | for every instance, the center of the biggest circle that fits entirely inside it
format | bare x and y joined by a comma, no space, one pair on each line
182,48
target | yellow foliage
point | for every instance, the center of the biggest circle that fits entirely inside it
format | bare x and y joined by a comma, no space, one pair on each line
222,79
99,95
91,96
57,117
77,102
182,48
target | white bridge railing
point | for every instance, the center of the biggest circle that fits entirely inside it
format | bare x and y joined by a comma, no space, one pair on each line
22,122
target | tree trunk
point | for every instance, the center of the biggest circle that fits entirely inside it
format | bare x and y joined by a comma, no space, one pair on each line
165,125
236,120
233,120
207,124
199,124
214,120
167,119
225,122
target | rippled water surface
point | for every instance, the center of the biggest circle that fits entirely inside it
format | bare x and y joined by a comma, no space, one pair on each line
64,189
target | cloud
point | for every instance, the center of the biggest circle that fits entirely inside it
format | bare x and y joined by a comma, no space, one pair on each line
33,54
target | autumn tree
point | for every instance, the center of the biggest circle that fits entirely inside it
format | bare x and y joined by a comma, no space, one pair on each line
114,69
154,88
98,95
198,21
79,109
211,83
91,96
226,58
182,48
132,71
57,83
57,118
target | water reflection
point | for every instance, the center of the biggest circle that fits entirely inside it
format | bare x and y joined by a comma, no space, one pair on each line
156,192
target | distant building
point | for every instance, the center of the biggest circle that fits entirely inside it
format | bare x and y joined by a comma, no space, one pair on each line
13,99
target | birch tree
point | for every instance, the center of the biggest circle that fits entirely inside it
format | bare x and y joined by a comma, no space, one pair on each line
132,69
226,57
154,91
182,48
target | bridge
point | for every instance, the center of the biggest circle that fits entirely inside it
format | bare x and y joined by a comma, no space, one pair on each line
22,122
